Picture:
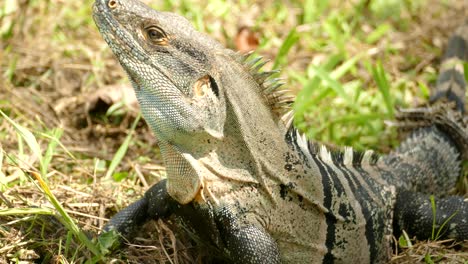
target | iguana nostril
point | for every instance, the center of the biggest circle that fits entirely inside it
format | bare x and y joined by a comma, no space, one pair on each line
112,4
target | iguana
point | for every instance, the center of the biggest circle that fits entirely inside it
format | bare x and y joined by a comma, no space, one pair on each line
255,188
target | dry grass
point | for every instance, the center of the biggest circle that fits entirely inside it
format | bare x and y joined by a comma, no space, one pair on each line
58,73
444,251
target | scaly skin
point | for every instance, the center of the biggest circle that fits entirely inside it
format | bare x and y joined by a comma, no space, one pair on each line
248,185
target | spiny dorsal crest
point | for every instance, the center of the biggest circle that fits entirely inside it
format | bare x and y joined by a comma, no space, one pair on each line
278,100
341,156
345,156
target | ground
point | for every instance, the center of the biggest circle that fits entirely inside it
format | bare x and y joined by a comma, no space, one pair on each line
73,150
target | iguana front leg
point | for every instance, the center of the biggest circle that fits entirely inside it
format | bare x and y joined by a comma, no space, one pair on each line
246,244
155,204
241,243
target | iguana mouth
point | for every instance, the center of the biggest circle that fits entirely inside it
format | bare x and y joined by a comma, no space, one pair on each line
120,40
112,31
132,80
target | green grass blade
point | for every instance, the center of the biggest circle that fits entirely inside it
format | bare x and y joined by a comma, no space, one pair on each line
433,207
424,89
3,179
383,85
438,235
404,241
55,137
288,43
312,9
378,33
428,259
65,217
346,66
26,135
26,211
122,150
333,84
56,134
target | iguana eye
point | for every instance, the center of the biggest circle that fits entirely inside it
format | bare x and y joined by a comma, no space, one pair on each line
156,35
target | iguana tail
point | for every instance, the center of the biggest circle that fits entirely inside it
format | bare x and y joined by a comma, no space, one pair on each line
430,160
448,98
451,85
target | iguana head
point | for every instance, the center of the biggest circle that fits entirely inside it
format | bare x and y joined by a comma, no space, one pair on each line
204,103
168,63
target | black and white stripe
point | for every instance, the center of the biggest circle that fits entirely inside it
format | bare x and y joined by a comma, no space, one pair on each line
345,178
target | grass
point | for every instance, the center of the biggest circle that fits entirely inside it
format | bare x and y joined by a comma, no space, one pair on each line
68,152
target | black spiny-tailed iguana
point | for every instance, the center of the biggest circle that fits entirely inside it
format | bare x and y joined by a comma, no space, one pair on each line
253,188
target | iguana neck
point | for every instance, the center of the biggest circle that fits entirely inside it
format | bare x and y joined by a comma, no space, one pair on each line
256,121
253,148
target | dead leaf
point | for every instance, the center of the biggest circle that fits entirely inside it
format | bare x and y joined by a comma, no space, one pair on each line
246,39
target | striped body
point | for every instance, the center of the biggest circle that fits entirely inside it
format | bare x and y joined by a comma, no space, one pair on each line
336,207
351,219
